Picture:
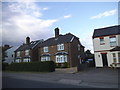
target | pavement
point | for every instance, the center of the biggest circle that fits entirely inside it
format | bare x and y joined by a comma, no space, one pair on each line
91,77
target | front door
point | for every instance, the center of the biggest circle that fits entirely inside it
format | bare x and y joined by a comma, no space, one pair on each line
104,59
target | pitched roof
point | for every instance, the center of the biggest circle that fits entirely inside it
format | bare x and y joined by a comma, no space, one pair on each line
58,40
113,30
29,46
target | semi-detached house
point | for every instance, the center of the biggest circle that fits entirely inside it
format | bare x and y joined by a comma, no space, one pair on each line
106,43
60,49
28,51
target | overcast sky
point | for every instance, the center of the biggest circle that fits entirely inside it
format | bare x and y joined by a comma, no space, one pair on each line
38,20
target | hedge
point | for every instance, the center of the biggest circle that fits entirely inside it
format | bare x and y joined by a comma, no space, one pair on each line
62,65
4,66
47,66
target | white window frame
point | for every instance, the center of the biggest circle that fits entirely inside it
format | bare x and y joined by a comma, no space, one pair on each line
45,58
61,58
27,52
114,58
18,60
26,60
18,53
113,42
45,49
60,47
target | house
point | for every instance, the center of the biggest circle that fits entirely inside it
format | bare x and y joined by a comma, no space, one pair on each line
27,52
61,49
106,43
9,55
4,49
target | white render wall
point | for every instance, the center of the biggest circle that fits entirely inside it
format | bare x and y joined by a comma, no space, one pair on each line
99,62
118,37
106,46
103,49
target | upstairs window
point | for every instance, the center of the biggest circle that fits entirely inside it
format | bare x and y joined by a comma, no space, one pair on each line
45,49
26,52
102,41
60,47
18,53
113,41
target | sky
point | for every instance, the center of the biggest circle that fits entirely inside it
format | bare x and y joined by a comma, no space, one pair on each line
39,19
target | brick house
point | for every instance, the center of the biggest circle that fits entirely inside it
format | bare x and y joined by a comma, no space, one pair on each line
106,43
27,52
62,48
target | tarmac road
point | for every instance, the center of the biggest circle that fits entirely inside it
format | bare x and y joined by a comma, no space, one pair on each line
93,77
22,83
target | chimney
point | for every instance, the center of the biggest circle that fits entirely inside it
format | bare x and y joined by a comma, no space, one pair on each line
27,40
56,32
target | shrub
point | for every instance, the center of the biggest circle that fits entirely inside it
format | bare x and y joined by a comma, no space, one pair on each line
65,65
62,65
4,66
47,66
58,65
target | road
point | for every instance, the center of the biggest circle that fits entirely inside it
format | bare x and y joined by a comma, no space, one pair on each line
94,78
21,83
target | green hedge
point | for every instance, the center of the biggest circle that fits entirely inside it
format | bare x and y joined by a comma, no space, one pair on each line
47,66
4,66
62,65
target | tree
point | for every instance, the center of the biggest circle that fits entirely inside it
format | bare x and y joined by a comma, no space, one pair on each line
88,55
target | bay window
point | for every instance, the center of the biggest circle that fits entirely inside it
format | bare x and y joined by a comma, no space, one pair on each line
61,58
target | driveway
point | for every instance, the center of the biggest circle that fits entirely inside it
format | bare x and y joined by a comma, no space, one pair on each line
92,77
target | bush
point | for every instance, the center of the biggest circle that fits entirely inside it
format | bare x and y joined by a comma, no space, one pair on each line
4,66
47,66
65,65
62,65
58,65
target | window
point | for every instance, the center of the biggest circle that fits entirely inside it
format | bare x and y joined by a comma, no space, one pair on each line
18,53
119,57
102,41
26,60
112,41
60,47
26,52
78,47
18,60
45,49
114,58
45,58
61,58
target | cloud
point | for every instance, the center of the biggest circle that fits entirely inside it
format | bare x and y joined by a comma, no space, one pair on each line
104,14
67,16
24,19
45,8
87,41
